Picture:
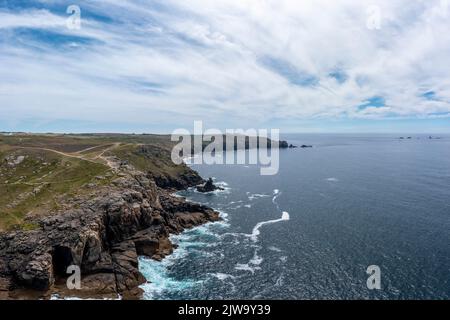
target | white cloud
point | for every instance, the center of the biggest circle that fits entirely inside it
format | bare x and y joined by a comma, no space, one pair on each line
174,61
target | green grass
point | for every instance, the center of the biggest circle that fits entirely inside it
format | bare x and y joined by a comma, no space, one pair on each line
80,142
38,183
153,159
46,178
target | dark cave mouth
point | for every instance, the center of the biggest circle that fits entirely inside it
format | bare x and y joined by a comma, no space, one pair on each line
61,259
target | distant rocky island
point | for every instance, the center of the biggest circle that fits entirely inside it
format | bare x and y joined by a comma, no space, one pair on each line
429,138
97,201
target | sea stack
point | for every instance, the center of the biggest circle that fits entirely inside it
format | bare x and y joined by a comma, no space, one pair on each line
208,186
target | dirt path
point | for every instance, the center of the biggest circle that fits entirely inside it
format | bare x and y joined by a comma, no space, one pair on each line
92,148
77,155
108,161
69,155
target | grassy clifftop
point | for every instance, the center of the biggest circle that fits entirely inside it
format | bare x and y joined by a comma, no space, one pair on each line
32,182
38,173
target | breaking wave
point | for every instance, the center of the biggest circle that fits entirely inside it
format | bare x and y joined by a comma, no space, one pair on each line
163,281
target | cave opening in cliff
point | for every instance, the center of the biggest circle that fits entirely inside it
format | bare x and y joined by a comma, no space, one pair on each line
62,259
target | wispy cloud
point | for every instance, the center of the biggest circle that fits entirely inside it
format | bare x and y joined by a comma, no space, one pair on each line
230,63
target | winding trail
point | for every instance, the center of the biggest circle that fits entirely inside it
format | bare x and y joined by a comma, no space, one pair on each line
77,155
70,155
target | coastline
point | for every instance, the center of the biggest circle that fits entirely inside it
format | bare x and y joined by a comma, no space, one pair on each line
138,220
202,243
159,280
142,259
125,209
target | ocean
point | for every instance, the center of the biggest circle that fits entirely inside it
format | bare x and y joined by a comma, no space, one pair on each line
312,230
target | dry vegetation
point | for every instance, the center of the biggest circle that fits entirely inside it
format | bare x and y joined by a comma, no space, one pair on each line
38,172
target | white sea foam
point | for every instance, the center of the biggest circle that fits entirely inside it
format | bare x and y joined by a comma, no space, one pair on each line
272,248
254,196
160,281
246,267
224,190
223,276
157,272
195,239
256,260
252,265
279,281
221,184
176,194
203,230
222,214
332,179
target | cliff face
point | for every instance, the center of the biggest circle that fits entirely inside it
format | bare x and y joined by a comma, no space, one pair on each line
92,201
103,235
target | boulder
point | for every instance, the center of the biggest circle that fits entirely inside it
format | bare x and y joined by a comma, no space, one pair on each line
208,186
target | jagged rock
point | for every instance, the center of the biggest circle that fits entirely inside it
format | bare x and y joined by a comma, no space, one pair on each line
103,235
13,161
99,283
125,260
5,284
147,241
208,186
182,182
283,144
38,273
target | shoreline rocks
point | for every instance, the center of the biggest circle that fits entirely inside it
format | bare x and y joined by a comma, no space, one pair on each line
103,235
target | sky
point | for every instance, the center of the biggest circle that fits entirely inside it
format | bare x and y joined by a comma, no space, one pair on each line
157,65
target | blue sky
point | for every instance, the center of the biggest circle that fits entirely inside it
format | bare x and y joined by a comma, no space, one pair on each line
153,66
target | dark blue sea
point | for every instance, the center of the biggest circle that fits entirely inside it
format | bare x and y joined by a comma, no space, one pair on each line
311,231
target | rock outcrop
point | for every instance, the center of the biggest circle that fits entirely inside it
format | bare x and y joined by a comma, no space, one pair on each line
102,235
283,144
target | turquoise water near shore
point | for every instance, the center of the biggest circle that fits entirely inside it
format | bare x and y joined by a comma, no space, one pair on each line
311,231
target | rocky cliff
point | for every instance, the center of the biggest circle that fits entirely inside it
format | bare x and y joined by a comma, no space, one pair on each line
103,234
95,201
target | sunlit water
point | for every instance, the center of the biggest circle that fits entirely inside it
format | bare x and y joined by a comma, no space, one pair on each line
311,231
